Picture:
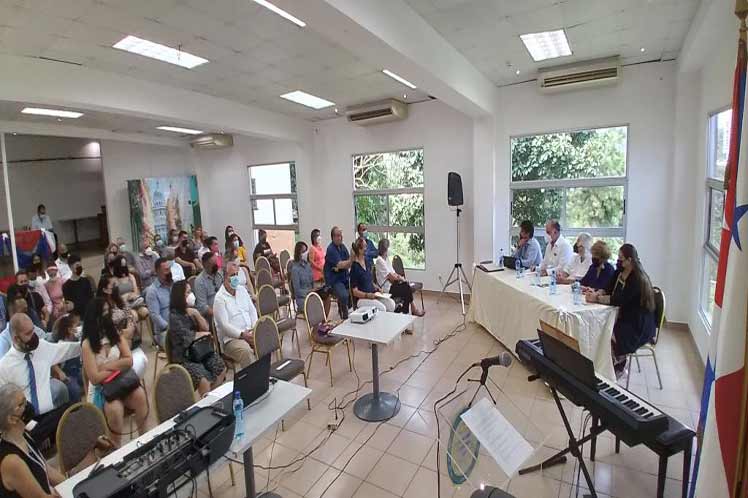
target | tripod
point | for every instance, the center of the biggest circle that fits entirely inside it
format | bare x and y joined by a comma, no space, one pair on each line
458,274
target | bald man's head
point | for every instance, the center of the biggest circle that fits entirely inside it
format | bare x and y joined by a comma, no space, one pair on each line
24,338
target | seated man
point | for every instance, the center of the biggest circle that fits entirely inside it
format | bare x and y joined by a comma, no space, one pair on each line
371,250
62,264
197,240
158,297
33,299
185,256
17,301
235,315
528,249
580,262
177,272
207,285
337,263
17,304
28,363
77,289
36,285
558,252
212,244
146,263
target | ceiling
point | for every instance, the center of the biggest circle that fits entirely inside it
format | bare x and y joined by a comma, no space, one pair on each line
487,31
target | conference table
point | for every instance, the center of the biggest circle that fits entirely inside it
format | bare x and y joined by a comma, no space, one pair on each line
510,309
258,418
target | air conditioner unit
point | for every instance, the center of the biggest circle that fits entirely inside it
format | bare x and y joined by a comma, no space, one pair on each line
598,72
212,141
377,112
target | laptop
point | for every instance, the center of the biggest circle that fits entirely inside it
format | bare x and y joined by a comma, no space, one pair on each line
489,267
573,362
510,262
252,382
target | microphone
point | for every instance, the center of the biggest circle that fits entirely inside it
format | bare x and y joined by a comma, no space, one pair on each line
503,359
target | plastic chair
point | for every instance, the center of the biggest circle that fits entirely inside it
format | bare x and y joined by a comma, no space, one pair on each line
172,392
268,341
264,277
267,305
649,348
284,257
397,265
77,433
263,263
314,313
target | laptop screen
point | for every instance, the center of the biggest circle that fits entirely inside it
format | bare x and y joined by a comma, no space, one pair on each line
254,380
571,361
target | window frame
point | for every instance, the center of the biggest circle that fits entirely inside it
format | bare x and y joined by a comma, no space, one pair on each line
420,230
568,183
293,196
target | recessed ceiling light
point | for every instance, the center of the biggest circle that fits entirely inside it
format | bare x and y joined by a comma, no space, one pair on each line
516,72
336,110
160,52
405,95
38,111
176,129
281,13
546,45
399,78
642,49
307,99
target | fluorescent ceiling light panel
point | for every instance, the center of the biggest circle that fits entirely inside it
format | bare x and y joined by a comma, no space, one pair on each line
399,78
52,112
160,52
281,13
306,99
184,131
547,45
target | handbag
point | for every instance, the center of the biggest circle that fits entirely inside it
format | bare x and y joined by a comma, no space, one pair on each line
120,384
200,349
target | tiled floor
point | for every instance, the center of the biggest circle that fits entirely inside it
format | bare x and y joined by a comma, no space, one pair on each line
398,458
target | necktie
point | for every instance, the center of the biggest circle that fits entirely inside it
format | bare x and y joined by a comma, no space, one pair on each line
32,383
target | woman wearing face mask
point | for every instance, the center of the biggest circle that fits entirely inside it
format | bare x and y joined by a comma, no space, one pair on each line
54,291
127,286
631,291
362,281
186,324
302,278
581,261
24,472
317,258
235,244
600,272
173,238
263,249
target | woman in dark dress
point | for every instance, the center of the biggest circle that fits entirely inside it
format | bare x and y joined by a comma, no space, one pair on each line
601,272
185,325
631,291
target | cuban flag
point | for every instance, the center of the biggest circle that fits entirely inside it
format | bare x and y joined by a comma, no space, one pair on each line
720,458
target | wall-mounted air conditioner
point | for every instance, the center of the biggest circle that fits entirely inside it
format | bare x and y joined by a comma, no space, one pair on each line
212,141
377,112
599,72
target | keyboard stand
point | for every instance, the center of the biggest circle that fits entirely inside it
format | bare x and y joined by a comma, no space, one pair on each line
574,447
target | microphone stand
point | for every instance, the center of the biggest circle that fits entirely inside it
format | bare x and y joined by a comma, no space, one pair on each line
482,383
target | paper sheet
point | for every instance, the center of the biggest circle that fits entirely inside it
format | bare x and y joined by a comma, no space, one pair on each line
502,441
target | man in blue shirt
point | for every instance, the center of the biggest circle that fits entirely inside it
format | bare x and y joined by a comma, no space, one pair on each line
337,264
528,250
157,298
371,252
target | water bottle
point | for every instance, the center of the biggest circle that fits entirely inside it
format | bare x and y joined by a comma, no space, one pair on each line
576,292
520,269
500,262
552,288
238,416
538,280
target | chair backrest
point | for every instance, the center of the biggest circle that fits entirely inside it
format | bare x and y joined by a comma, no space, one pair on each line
660,303
266,337
263,277
79,428
284,257
397,265
167,345
191,281
374,272
314,314
267,301
173,392
289,267
262,263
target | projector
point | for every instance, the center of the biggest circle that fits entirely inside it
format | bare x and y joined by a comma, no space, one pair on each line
363,314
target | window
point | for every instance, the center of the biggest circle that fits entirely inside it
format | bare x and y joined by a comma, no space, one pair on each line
718,146
577,177
388,197
274,206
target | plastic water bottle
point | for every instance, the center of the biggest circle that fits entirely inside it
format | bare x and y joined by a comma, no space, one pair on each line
552,288
538,280
576,292
238,415
500,262
520,270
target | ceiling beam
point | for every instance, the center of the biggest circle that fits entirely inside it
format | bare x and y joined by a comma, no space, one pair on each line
64,130
37,81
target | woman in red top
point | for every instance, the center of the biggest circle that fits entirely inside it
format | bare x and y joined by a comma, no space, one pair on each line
317,257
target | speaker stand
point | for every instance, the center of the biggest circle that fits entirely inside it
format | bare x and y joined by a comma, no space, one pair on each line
457,275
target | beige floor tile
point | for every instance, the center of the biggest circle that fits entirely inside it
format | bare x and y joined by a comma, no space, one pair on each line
422,422
334,484
393,474
299,435
411,447
378,436
423,485
358,460
368,490
301,478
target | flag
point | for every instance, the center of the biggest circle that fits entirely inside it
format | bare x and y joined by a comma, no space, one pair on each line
721,429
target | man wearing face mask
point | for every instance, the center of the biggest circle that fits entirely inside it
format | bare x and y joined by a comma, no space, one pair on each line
558,251
77,289
17,305
185,256
34,300
234,315
62,264
28,363
371,252
145,263
207,285
125,251
157,298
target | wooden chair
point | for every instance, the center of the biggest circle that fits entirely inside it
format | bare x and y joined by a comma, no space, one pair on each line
397,265
649,348
314,313
268,341
172,391
267,305
77,433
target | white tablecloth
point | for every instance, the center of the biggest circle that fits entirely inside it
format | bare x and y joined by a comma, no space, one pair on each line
510,309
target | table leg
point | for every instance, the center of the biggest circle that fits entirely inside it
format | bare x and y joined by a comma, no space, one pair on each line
376,406
249,477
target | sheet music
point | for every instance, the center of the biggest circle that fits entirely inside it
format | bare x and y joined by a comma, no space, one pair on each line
502,441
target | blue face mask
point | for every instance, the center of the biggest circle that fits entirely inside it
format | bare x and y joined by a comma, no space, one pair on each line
234,281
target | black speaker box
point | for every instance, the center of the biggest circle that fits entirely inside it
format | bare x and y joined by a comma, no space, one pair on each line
454,189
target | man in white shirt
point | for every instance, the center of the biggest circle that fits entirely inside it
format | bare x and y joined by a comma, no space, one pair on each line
27,364
40,221
558,251
235,315
63,268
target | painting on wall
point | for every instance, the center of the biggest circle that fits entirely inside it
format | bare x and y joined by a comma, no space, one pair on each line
158,205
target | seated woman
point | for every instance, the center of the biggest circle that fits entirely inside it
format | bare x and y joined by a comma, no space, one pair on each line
317,258
121,314
394,283
263,249
105,351
185,325
580,263
65,330
362,281
24,472
631,291
302,279
54,291
234,242
600,272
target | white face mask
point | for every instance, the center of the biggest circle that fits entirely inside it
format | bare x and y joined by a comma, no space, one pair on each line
305,255
547,238
190,300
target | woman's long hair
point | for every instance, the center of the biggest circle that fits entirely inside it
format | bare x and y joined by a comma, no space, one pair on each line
230,241
298,249
177,298
97,324
116,299
647,293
